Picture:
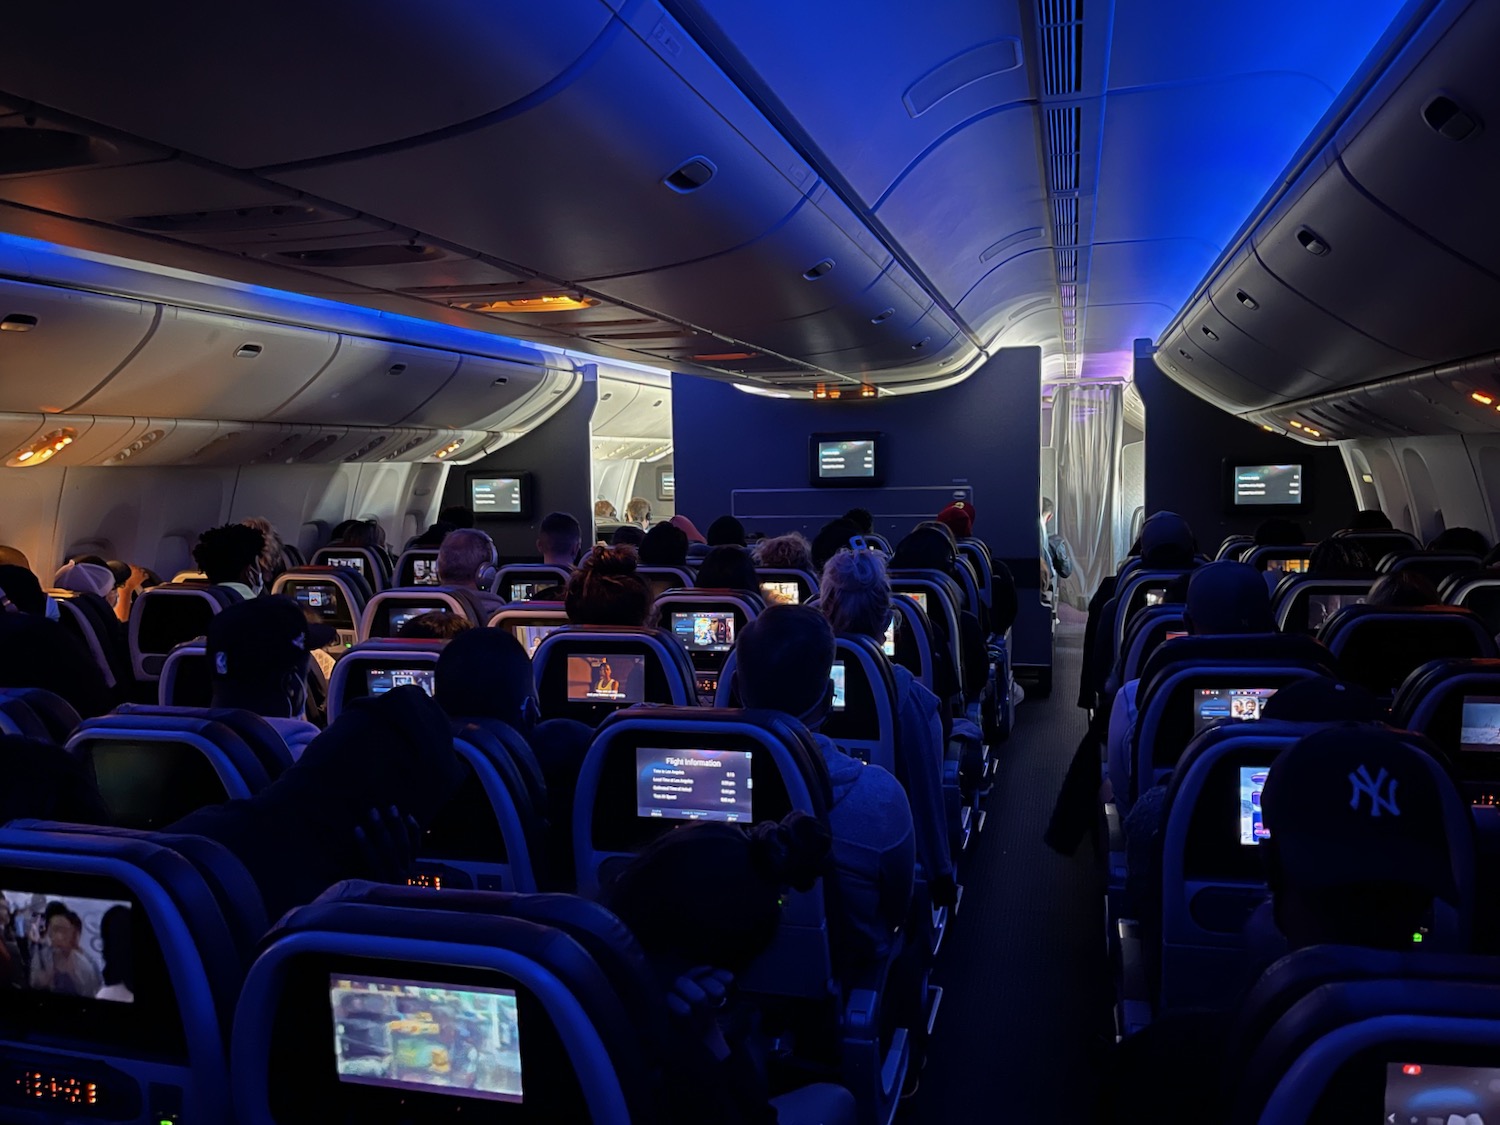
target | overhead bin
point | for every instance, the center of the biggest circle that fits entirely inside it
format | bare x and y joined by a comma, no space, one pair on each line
1444,120
208,365
1214,334
484,394
1345,253
298,80
371,383
624,137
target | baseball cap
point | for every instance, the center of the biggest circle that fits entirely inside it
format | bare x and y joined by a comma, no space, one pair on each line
1228,597
263,635
1321,699
84,578
1354,805
959,516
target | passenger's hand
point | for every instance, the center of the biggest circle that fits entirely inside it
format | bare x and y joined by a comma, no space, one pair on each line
696,998
388,843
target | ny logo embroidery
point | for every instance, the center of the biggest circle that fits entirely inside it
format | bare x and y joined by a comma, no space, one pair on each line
1364,784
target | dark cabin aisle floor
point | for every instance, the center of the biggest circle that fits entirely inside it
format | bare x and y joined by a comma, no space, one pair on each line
1025,1017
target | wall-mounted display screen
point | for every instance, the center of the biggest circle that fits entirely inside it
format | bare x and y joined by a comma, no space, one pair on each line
1267,485
849,460
666,485
1241,704
1252,824
617,678
427,1038
378,681
495,495
694,784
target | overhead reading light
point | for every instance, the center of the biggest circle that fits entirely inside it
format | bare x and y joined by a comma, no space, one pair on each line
1268,429
1296,424
18,322
1483,400
43,449
1312,432
820,391
139,444
545,303
449,449
867,391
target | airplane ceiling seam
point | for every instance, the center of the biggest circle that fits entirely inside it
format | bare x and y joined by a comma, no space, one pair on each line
145,339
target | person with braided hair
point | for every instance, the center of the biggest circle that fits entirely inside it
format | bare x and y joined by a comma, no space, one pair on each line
606,589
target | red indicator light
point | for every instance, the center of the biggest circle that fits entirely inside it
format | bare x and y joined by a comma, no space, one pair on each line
1411,1070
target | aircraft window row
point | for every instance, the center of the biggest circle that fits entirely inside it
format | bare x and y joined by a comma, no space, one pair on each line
665,836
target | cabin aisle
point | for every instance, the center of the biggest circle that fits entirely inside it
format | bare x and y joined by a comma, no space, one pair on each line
1025,1014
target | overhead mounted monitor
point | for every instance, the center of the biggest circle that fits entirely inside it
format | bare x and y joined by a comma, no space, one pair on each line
666,485
500,496
847,460
1267,486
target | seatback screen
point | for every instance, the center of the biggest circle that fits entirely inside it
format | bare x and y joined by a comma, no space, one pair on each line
694,784
836,677
399,617
421,1037
495,495
532,635
378,681
1156,597
1320,607
616,678
1288,566
1252,823
1481,723
918,596
1242,704
355,563
1258,485
705,630
322,598
525,591
424,572
781,593
1465,1095
68,945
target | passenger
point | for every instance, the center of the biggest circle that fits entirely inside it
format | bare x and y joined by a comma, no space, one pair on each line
785,660
357,533
58,962
129,582
385,767
229,556
558,539
38,652
664,545
728,568
685,525
604,510
855,594
439,625
785,552
862,519
433,536
1460,541
45,782
1278,532
273,553
736,880
929,549
464,556
1340,556
1370,519
86,578
726,531
259,654
457,516
486,674
959,518
627,535
638,512
832,538
1404,588
119,962
606,589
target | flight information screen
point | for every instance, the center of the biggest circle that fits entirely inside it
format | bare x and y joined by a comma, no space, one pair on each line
1267,484
694,784
839,460
495,495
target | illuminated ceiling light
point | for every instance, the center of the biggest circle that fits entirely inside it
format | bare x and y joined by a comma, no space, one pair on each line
820,391
1483,400
1296,424
1268,429
43,449
867,391
449,449
835,393
545,303
1312,432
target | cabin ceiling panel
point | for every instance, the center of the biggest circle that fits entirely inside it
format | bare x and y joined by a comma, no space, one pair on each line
1106,325
325,78
633,411
901,79
383,260
370,382
546,187
78,339
1014,284
205,365
979,187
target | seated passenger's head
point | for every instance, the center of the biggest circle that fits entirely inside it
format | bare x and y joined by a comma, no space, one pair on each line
358,533
1340,557
1403,588
664,545
463,556
1167,542
231,554
710,894
728,568
959,517
726,531
785,552
558,539
433,536
1227,597
1460,541
1370,519
785,657
272,551
258,654
862,519
607,589
924,549
685,525
831,539
1277,532
627,535
855,593
85,578
486,674
20,591
1321,699
1358,845
604,510
439,625
45,782
456,515
637,511
1048,509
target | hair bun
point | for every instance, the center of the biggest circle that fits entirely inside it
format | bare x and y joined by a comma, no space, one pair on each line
792,851
613,560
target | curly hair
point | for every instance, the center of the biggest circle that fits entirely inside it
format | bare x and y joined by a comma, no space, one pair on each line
607,589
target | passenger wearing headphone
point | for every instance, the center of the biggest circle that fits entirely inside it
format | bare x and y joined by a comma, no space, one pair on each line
467,560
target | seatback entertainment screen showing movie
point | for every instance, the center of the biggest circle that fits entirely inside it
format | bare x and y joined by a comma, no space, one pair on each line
400,617
355,563
836,677
531,636
694,784
1211,705
68,945
781,593
615,678
424,572
1481,723
323,598
1267,485
427,1038
704,630
378,681
1320,607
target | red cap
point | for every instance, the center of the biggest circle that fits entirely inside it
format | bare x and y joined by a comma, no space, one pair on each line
959,516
